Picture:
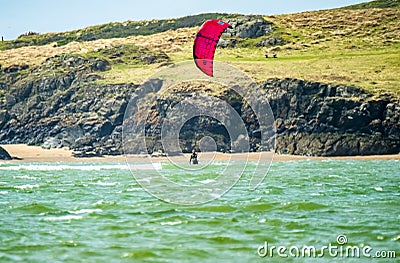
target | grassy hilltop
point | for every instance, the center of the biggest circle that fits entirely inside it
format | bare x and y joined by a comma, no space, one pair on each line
357,45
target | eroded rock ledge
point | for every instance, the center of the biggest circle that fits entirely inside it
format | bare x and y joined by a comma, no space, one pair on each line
68,109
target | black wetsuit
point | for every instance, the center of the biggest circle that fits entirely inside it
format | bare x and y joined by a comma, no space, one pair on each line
193,158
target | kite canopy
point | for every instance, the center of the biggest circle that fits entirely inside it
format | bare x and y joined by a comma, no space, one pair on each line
205,44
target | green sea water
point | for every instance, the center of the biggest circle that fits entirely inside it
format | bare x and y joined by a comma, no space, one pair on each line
88,212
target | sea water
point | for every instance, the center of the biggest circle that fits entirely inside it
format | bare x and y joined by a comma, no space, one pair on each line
89,212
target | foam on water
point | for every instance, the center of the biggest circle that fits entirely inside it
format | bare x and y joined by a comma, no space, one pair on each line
207,181
61,167
106,183
26,186
63,218
85,211
171,223
25,177
92,167
146,166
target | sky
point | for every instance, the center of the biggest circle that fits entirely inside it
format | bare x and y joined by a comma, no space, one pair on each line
42,16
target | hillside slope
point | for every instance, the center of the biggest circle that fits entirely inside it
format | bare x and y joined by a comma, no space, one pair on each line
340,46
110,30
334,86
375,4
353,47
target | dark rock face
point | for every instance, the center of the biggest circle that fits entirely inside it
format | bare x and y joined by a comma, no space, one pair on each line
198,127
15,68
328,120
248,27
4,155
58,105
245,27
85,118
271,41
66,110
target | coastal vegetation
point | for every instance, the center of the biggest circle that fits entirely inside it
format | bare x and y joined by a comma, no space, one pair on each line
331,77
357,45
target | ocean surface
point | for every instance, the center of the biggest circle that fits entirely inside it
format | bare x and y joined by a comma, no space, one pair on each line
89,212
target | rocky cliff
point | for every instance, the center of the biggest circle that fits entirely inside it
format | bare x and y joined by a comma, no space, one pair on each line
63,108
4,155
328,120
59,104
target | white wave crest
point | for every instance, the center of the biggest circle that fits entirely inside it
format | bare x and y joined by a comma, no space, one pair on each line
62,218
26,186
55,167
85,211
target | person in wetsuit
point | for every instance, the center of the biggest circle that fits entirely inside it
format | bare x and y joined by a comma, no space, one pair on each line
193,158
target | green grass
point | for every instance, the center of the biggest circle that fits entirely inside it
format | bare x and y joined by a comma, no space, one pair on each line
129,54
112,30
375,4
375,70
341,46
123,73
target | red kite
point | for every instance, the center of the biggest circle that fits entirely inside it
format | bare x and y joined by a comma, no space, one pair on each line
205,44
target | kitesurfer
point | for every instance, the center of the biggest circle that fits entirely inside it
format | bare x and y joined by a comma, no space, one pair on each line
193,158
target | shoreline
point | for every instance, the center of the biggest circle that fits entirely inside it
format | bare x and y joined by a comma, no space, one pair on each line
23,153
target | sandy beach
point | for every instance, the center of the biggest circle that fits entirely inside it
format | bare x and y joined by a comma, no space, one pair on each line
25,153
